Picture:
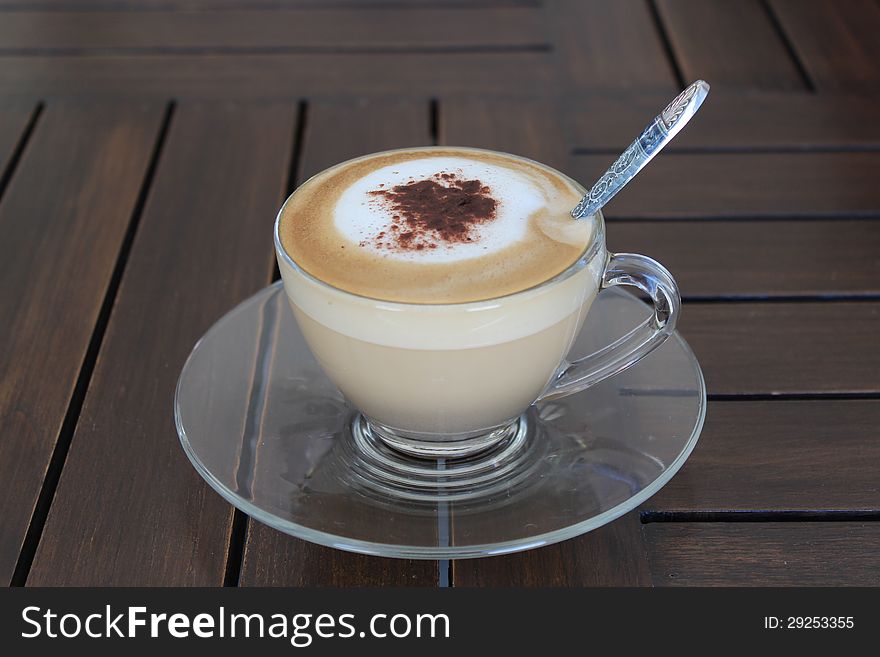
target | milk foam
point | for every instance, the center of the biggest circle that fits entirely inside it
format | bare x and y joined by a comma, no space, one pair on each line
359,218
515,213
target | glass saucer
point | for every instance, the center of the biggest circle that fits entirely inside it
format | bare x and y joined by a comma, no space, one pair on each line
270,433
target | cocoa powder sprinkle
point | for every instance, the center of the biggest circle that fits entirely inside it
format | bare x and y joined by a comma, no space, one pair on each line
442,209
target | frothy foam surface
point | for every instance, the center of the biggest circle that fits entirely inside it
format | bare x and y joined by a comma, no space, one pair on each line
435,225
364,216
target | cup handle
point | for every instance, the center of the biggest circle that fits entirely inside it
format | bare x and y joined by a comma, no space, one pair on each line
651,278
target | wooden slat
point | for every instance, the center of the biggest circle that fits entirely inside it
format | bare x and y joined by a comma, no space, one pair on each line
63,219
745,185
707,258
340,130
129,508
837,41
291,30
715,259
275,559
608,45
765,554
733,122
785,348
533,129
336,131
525,127
14,118
781,456
263,5
279,76
613,555
730,44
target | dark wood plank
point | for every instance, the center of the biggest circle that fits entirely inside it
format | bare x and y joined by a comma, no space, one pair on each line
837,41
780,456
280,76
14,119
612,555
679,185
524,127
785,348
733,122
63,219
283,30
764,554
275,559
715,259
608,46
731,44
337,131
707,258
340,130
263,5
129,508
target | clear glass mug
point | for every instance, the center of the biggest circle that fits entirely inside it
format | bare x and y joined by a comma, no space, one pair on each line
450,380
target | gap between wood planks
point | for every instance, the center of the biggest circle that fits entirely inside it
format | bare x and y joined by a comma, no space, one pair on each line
666,42
789,47
743,150
240,520
255,5
20,146
237,51
817,515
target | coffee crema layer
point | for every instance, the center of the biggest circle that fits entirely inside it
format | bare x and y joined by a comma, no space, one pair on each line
435,225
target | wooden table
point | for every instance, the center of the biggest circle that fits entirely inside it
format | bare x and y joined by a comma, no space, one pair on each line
145,146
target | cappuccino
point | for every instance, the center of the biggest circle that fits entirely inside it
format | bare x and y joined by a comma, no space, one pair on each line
439,288
435,225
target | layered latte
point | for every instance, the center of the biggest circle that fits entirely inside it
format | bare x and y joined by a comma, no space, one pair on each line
423,278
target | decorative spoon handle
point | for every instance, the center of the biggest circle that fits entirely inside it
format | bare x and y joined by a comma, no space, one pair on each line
653,138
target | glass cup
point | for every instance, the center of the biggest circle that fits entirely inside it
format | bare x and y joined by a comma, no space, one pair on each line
440,381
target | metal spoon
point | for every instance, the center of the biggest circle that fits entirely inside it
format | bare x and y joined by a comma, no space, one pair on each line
653,138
